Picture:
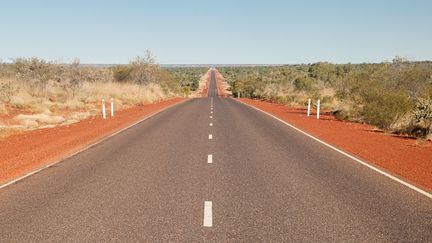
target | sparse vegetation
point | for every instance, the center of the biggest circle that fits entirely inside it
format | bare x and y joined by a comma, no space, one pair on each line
47,93
188,78
393,96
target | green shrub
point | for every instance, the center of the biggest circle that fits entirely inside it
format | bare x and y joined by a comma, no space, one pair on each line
280,99
385,107
342,115
327,99
379,93
303,84
121,72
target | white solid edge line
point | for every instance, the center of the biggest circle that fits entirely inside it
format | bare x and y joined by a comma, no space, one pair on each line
88,146
407,184
208,214
210,136
210,158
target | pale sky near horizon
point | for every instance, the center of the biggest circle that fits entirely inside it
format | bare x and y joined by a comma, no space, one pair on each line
217,32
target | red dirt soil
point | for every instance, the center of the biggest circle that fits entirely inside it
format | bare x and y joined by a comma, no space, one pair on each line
204,92
219,77
27,151
401,156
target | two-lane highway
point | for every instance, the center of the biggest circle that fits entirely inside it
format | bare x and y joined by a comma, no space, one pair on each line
253,180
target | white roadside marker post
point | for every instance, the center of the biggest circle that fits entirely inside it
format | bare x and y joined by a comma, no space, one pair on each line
318,109
103,109
309,107
112,107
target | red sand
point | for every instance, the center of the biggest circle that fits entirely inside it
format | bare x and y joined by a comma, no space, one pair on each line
204,92
221,91
400,156
27,151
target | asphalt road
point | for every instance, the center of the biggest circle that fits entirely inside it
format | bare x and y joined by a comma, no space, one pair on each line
266,183
213,92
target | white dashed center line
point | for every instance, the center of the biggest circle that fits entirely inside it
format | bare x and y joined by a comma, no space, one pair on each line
208,214
208,211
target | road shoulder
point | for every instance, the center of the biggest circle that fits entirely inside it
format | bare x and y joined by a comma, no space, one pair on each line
399,157
27,153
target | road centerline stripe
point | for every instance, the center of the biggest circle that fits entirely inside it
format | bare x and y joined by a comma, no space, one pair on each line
210,158
211,124
208,214
210,136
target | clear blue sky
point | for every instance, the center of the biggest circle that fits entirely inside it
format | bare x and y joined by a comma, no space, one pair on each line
226,31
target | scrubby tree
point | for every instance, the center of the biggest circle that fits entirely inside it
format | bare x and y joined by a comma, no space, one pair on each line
378,93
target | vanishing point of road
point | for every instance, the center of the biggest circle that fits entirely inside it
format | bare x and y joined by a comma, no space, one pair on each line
212,170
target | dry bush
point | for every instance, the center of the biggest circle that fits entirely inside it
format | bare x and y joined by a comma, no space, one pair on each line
77,116
121,73
38,119
418,122
144,70
7,89
46,89
423,110
35,72
22,100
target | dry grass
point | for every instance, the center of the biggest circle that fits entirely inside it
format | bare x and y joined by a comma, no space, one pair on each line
46,94
41,118
34,120
58,107
125,93
56,97
77,116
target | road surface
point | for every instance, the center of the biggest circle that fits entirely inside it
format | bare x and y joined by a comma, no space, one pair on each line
253,180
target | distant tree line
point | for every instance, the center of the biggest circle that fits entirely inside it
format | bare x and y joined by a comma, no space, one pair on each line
395,96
